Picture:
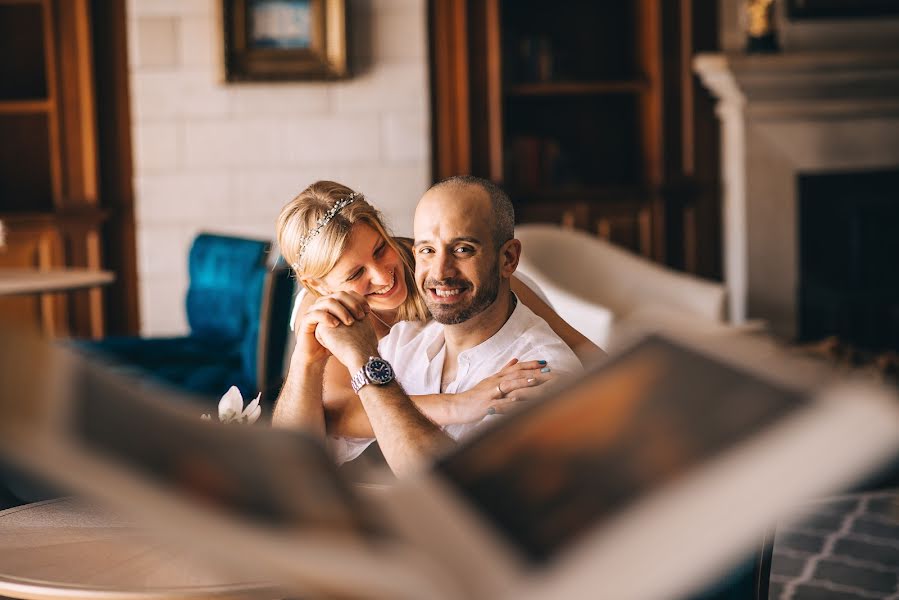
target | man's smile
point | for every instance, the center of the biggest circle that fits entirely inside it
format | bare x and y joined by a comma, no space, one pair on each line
448,292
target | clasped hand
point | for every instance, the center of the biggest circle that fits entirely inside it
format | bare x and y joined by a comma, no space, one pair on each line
337,325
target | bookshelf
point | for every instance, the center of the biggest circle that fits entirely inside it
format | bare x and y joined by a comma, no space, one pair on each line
48,169
583,111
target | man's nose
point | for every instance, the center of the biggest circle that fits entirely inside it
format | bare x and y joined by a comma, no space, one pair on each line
442,267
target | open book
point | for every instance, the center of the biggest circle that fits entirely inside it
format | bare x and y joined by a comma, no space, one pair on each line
645,477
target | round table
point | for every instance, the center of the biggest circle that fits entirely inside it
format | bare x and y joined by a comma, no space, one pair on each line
66,548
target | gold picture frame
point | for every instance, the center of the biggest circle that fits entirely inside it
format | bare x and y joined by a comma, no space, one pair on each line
284,39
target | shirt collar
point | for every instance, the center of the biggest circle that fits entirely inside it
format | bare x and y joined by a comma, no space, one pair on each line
514,327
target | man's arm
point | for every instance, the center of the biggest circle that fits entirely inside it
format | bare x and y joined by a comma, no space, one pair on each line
406,437
345,416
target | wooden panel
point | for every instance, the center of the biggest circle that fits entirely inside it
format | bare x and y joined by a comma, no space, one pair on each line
76,99
449,83
26,166
116,190
33,245
22,36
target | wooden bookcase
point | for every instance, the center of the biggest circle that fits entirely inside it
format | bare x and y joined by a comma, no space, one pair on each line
49,198
583,111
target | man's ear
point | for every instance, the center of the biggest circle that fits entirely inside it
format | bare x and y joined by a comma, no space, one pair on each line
509,253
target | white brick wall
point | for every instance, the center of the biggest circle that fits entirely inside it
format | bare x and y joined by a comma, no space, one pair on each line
225,157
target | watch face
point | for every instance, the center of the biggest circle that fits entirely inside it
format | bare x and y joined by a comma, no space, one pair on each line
379,371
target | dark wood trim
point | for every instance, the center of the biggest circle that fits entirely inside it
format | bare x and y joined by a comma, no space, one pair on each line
493,64
650,60
50,69
78,128
118,240
688,107
449,88
577,88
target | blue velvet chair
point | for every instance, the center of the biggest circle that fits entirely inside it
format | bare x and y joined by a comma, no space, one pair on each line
237,310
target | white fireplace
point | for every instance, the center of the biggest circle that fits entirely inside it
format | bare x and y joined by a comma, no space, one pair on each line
782,115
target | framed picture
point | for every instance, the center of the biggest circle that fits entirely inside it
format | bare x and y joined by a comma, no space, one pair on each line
825,9
284,39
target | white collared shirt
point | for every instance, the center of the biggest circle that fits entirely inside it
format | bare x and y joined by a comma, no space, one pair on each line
417,351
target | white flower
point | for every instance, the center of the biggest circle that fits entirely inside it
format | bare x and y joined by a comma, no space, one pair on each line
231,408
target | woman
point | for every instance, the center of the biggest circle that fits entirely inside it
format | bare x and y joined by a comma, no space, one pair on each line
337,243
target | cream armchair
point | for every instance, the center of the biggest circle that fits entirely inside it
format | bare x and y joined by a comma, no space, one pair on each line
592,283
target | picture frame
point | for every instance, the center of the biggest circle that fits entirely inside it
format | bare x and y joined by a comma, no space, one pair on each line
842,9
284,40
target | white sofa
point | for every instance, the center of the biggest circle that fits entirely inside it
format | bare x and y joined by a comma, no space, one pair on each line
592,283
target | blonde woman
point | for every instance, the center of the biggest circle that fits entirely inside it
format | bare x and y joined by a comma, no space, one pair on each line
337,245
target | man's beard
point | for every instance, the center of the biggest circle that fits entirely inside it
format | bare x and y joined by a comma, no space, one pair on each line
453,315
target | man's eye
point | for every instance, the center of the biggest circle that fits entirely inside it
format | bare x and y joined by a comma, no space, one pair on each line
464,250
425,251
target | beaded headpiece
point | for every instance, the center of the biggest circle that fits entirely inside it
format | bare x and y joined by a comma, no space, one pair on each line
325,219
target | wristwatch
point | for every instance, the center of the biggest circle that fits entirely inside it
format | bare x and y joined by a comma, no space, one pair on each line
376,371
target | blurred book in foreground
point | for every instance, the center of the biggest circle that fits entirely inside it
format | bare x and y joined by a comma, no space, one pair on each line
673,457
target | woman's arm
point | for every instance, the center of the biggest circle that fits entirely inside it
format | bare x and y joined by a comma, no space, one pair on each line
345,415
571,336
299,404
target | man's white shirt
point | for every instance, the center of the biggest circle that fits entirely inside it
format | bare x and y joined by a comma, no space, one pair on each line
417,351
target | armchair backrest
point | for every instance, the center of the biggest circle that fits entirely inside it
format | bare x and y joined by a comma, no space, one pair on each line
592,283
274,329
225,274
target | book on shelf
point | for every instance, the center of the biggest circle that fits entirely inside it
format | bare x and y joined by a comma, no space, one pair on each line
675,453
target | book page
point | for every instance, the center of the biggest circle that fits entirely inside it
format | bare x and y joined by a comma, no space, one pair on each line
643,420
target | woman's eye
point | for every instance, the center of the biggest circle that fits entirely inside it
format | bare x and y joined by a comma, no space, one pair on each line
379,250
355,275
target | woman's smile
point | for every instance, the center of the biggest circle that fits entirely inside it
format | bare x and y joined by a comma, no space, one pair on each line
388,289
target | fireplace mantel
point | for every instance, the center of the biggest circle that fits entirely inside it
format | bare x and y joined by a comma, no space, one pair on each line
782,115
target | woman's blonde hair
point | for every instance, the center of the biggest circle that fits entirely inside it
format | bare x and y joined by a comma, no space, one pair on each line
313,255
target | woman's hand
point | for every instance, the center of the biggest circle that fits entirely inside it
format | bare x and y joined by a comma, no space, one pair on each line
329,311
499,393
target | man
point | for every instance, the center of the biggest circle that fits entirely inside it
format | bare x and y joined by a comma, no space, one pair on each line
465,254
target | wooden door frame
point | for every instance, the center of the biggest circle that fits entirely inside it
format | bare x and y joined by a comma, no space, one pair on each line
116,173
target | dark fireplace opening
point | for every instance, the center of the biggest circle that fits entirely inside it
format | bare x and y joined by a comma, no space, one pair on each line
849,258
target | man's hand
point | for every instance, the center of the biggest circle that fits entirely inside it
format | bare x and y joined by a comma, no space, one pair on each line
350,336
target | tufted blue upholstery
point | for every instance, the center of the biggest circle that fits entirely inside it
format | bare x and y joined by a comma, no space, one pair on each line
231,291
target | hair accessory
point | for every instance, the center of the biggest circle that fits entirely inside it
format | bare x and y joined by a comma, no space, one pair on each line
326,218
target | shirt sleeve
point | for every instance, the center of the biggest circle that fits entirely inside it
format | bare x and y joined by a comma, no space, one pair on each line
556,353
